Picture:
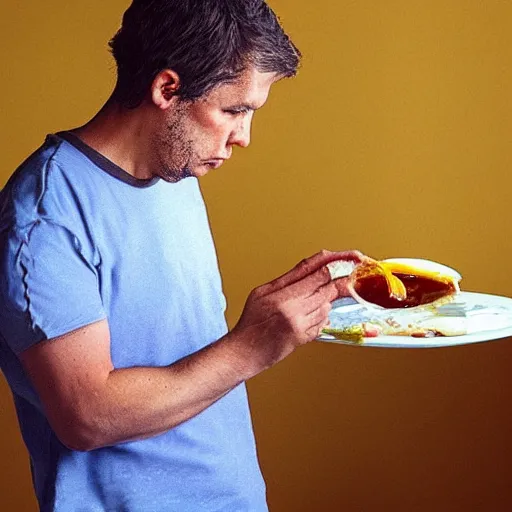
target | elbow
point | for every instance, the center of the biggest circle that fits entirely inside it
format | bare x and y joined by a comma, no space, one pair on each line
78,443
79,435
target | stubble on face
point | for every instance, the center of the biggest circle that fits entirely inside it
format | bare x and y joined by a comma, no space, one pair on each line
175,147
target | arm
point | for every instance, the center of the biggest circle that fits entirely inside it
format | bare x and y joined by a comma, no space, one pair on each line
90,404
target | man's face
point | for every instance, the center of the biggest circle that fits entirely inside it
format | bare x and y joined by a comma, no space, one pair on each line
198,136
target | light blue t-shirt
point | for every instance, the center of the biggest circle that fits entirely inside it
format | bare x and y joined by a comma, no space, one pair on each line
81,241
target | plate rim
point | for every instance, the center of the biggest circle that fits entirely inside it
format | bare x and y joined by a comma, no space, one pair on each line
436,342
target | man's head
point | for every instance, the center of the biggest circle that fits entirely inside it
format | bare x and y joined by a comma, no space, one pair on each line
206,42
206,65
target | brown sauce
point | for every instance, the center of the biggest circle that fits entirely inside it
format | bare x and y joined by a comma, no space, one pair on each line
420,290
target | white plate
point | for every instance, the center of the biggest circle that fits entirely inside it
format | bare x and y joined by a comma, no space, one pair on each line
489,317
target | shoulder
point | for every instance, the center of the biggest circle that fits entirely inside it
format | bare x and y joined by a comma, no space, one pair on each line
47,185
45,195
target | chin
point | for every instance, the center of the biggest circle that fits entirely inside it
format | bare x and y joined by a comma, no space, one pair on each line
174,175
202,170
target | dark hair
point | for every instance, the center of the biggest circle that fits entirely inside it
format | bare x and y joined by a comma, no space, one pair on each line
207,42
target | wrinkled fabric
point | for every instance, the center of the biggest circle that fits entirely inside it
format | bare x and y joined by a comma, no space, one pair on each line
82,241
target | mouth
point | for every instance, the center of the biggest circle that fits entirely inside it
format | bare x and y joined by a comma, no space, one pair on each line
214,163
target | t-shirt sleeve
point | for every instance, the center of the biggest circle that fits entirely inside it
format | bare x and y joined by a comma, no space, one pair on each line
49,284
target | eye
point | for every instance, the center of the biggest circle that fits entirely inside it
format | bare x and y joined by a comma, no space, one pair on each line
236,111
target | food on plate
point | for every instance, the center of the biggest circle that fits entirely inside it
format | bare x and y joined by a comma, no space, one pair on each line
354,333
428,327
424,282
398,282
401,297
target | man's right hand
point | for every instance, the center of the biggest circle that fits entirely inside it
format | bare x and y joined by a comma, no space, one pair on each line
288,312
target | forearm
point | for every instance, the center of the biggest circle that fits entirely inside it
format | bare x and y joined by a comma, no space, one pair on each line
140,402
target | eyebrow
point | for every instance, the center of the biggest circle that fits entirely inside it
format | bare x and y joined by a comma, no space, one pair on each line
244,106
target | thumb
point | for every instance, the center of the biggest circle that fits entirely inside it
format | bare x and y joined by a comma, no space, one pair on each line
312,264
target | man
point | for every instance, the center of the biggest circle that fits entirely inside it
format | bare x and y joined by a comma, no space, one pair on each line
129,389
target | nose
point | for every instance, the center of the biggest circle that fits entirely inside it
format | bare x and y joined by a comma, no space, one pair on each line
241,136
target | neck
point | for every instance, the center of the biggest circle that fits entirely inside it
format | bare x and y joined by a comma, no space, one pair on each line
121,135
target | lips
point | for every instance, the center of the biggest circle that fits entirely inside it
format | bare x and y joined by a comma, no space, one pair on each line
214,164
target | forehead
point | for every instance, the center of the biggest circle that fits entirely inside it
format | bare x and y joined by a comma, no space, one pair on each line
251,87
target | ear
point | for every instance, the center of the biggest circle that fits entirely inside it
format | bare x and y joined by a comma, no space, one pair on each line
164,88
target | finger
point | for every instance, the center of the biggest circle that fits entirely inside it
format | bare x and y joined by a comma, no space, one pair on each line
318,318
315,330
319,285
341,286
323,295
310,265
313,285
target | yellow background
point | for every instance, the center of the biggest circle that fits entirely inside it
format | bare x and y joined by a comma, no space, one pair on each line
394,139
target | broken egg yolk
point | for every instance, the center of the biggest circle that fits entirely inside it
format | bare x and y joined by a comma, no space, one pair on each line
422,287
